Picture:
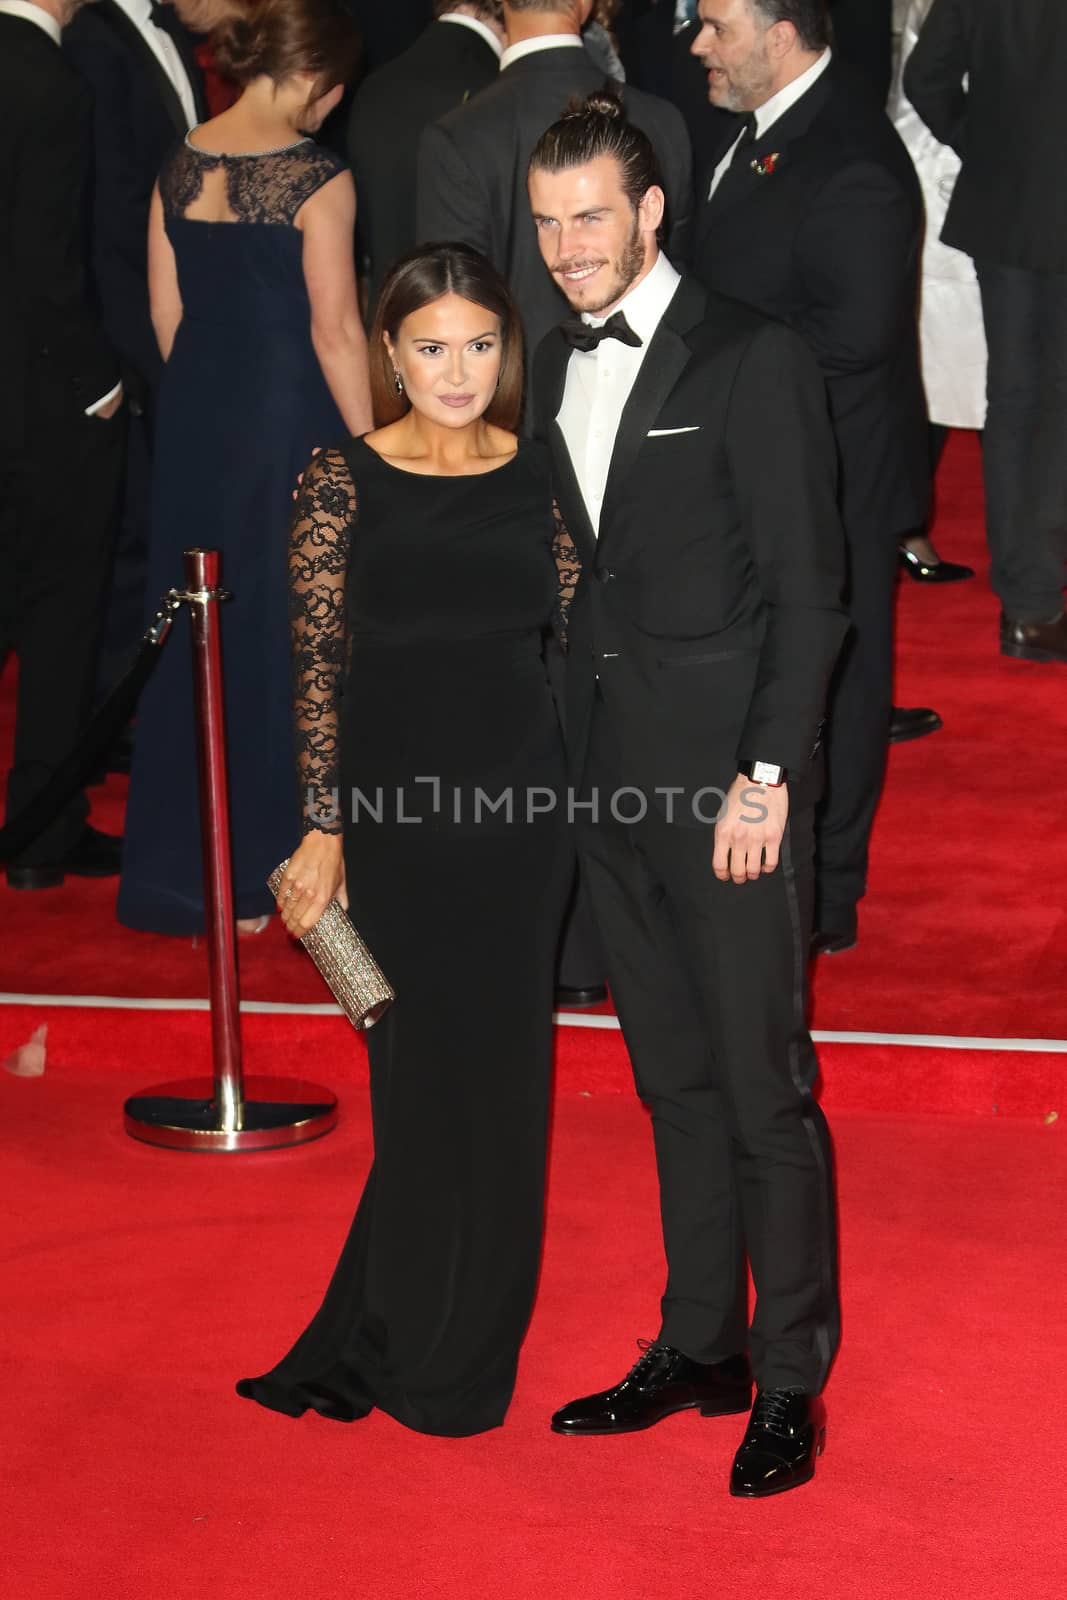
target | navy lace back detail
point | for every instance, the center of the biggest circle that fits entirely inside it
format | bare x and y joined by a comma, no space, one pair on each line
266,188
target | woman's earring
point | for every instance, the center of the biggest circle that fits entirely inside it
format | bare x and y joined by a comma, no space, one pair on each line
398,380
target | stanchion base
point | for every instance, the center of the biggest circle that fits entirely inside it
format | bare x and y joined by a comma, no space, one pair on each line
277,1112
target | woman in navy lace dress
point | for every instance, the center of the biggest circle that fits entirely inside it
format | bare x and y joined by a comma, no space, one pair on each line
254,305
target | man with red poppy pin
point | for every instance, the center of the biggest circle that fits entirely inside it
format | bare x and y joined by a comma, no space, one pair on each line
812,214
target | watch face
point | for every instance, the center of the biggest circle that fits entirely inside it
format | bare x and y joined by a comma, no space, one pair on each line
766,772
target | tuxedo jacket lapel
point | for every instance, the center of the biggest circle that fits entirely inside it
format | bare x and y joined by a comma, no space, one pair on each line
551,381
668,355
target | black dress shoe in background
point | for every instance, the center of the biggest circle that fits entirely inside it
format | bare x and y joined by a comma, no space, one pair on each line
575,999
1034,641
786,1431
932,571
662,1382
912,722
96,855
836,930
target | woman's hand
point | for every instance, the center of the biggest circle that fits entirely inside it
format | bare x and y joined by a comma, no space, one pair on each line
314,877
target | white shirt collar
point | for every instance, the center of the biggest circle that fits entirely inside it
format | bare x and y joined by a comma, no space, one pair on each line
646,302
138,11
31,13
477,26
768,113
546,41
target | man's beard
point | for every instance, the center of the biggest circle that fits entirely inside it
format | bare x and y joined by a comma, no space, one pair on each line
749,87
626,270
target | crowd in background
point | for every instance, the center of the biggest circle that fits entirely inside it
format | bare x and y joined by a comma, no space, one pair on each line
418,124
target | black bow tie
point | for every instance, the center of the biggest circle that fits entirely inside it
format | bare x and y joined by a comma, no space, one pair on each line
580,336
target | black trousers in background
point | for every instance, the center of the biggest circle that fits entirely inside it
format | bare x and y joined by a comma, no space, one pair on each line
709,983
128,603
857,730
1025,449
59,501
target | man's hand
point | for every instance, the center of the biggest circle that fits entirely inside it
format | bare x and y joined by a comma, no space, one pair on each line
748,834
315,876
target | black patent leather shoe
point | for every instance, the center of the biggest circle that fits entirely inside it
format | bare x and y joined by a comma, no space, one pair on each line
932,571
912,722
1034,641
786,1431
575,999
662,1382
96,855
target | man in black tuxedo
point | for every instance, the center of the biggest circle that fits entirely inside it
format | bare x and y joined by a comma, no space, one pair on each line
991,81
148,92
455,57
61,438
812,213
696,476
472,163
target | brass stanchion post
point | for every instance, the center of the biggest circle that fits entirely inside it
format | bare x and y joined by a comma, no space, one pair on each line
225,1113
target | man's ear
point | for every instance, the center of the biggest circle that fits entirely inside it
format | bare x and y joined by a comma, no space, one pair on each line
652,209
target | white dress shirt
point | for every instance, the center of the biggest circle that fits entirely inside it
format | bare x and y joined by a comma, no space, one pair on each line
30,13
768,113
599,383
476,25
546,41
48,24
166,53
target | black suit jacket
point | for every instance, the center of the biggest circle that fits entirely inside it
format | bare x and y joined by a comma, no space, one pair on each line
863,36
137,119
472,172
714,629
1009,124
829,242
446,66
53,348
388,26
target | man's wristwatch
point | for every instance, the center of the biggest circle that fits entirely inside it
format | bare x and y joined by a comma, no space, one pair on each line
765,773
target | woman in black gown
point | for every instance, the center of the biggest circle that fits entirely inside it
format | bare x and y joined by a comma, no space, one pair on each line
254,303
423,582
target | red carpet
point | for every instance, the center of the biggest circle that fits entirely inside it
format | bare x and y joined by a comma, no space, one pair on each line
141,1283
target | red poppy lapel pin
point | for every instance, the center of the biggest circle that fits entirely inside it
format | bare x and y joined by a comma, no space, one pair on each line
767,165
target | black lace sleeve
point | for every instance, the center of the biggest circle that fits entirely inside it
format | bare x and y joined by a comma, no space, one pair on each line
569,569
319,541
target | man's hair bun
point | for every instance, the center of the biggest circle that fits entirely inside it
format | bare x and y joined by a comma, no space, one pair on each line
602,103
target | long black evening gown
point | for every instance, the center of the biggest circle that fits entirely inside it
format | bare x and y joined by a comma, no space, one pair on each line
243,404
420,606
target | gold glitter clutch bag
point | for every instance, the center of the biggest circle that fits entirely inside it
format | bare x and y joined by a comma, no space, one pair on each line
356,981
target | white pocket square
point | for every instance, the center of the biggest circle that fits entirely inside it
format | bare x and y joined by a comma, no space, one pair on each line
665,433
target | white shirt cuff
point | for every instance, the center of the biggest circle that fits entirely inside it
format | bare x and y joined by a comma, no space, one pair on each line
105,400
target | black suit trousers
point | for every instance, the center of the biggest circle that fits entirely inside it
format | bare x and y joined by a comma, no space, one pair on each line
709,983
59,501
1024,459
857,729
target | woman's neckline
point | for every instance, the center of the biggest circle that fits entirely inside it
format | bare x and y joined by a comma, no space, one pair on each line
441,477
243,155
